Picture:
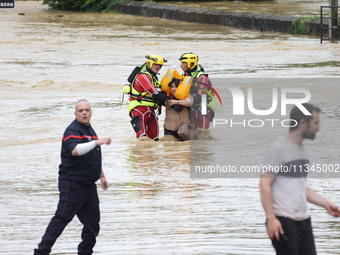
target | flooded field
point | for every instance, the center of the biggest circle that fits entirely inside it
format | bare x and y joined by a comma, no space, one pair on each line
50,59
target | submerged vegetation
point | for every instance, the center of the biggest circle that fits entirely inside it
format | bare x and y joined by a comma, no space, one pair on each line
83,5
301,25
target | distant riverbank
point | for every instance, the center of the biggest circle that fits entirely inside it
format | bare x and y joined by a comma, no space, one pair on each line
261,22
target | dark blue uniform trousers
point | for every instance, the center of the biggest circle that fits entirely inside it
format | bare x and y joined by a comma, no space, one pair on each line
74,199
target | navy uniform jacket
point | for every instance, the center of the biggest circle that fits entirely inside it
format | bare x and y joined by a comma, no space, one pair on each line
87,168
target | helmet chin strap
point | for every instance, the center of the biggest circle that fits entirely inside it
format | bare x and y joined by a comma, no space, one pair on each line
149,70
192,69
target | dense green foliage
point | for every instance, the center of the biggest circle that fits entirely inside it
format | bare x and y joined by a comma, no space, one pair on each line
81,5
301,27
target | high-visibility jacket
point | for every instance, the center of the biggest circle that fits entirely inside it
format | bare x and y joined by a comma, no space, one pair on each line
143,98
201,85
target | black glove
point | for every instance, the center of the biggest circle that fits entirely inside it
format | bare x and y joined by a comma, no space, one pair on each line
160,98
197,100
177,107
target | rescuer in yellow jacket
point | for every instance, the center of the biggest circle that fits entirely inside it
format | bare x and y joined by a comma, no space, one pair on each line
146,97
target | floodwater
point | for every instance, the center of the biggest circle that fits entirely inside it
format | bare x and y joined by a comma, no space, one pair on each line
295,8
50,59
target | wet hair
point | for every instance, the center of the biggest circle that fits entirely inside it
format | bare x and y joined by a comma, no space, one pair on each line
297,115
174,80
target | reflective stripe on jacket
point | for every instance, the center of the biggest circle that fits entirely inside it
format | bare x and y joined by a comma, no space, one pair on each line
143,98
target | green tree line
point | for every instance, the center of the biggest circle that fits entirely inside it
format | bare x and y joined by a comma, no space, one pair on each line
80,5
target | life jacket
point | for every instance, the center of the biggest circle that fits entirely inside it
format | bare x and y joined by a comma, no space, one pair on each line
167,78
143,98
184,86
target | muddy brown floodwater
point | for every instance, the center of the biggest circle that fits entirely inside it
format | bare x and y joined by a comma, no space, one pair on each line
50,59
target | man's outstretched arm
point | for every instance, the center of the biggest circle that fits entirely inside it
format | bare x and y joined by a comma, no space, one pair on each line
316,199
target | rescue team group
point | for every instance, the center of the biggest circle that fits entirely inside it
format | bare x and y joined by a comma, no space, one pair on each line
284,195
178,93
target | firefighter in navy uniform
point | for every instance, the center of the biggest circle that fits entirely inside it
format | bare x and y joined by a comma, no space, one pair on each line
80,168
201,85
146,97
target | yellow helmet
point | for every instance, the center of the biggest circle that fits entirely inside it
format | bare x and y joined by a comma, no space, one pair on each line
190,58
155,59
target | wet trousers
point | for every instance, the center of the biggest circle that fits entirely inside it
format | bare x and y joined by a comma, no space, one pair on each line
74,199
198,120
298,238
144,122
173,133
